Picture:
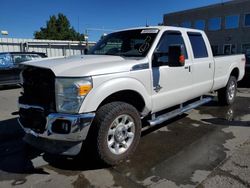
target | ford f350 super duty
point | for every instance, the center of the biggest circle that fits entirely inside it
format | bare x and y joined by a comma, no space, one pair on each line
150,74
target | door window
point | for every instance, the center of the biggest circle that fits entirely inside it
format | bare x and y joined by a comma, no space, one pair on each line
198,45
169,39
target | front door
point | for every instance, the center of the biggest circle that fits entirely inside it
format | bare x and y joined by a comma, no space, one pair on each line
172,85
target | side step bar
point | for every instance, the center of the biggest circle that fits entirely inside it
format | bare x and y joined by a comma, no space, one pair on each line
160,119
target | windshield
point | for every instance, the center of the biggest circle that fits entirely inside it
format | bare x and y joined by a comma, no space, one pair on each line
131,43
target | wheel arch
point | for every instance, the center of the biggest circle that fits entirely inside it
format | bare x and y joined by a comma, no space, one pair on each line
122,89
132,97
235,72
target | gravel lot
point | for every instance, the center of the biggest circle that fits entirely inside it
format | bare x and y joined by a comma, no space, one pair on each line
209,147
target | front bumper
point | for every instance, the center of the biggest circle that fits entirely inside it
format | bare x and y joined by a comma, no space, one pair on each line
67,139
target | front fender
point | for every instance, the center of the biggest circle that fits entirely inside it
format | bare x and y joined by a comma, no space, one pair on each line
107,88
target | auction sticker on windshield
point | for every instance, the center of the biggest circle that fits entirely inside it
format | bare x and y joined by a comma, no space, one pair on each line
146,31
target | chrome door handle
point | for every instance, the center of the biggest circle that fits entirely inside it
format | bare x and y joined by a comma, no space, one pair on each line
188,67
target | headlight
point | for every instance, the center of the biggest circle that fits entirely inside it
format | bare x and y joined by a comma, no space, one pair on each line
70,93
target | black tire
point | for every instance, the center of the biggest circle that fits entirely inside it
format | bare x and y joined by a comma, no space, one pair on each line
103,123
227,95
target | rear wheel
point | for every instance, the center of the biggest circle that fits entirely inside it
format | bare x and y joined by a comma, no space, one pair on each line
227,95
118,129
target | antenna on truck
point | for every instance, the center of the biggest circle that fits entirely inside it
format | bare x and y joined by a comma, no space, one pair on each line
147,22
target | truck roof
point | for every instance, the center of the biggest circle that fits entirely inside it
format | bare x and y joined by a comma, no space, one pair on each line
165,28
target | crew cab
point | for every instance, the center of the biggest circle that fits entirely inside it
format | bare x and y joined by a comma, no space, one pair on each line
147,73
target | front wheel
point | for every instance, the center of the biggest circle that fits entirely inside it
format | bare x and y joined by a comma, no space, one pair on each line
227,95
118,130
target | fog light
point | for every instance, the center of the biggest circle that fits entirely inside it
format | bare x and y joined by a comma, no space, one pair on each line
61,126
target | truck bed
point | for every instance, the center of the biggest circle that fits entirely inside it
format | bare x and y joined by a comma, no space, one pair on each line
224,66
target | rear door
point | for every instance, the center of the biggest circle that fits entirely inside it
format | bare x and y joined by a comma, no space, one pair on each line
171,85
203,63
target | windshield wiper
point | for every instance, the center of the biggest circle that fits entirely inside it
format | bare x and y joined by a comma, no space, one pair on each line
111,54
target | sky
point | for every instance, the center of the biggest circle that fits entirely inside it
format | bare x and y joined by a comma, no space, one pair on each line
21,18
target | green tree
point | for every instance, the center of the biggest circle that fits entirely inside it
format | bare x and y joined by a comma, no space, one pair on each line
58,28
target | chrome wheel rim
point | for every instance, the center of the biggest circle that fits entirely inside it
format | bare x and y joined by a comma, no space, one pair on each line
231,91
121,134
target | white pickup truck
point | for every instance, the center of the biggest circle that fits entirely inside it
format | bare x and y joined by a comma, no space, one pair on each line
150,74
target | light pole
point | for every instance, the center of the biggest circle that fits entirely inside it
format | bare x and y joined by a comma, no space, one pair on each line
86,37
4,33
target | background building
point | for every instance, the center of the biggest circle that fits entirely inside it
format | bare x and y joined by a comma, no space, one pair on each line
52,48
226,24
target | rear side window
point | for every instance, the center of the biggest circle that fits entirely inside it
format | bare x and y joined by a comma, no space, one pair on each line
198,45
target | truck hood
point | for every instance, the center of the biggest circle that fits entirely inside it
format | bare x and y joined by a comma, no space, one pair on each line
86,65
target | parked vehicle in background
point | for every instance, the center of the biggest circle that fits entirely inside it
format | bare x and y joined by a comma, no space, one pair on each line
149,73
10,67
247,74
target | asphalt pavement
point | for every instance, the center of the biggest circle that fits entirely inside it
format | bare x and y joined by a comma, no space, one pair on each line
208,147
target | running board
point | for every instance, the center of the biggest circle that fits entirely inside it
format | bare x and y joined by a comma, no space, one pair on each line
179,111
